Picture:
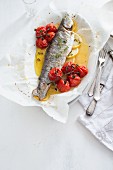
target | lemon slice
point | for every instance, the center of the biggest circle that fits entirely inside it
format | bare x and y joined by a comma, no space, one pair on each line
73,53
77,41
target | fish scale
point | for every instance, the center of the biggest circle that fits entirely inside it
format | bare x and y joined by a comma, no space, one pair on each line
56,54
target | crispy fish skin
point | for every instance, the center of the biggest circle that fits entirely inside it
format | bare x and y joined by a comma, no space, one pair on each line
56,53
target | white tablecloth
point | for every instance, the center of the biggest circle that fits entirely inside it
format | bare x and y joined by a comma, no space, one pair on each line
29,139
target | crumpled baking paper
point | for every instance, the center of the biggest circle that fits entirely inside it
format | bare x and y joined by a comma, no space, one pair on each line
17,75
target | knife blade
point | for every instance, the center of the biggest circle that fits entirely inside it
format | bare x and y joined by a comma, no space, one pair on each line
107,67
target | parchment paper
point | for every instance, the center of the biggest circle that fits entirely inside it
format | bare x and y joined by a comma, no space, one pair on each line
17,75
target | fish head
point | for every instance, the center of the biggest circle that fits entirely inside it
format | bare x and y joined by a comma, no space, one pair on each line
67,22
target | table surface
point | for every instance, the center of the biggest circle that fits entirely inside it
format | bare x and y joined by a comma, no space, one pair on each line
29,139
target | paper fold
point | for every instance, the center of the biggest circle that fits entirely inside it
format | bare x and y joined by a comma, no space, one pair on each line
17,75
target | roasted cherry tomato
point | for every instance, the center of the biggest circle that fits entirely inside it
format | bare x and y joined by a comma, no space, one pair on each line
63,86
68,67
51,27
82,70
55,74
41,43
49,36
40,31
74,80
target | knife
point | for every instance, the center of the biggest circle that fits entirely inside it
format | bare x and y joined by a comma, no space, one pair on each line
106,70
104,77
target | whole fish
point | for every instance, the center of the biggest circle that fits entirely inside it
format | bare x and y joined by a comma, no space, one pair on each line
56,54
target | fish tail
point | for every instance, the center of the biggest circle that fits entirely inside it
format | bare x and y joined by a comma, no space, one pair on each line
35,93
41,92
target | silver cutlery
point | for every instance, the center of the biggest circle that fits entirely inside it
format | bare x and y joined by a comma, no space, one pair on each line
104,78
91,90
91,107
101,61
102,52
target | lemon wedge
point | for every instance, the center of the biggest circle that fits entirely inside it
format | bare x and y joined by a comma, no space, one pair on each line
73,53
77,41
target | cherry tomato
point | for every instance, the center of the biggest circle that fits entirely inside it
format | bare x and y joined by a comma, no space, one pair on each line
74,80
49,36
40,31
68,67
82,71
51,27
55,74
63,86
41,43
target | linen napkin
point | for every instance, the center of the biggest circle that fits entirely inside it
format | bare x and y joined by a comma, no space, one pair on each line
100,124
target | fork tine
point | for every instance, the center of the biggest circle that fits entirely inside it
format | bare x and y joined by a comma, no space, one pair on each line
107,48
103,54
104,51
100,53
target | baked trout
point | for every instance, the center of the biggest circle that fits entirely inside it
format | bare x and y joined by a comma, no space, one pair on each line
56,54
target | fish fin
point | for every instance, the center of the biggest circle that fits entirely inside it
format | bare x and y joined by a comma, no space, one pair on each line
35,93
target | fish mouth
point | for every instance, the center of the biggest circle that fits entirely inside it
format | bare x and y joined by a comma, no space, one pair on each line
68,29
67,22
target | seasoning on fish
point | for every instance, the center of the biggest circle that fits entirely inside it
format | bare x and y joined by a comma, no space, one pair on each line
55,55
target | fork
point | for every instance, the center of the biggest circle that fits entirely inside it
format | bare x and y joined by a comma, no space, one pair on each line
92,105
101,61
91,89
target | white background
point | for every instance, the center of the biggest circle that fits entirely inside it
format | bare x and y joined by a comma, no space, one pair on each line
31,140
